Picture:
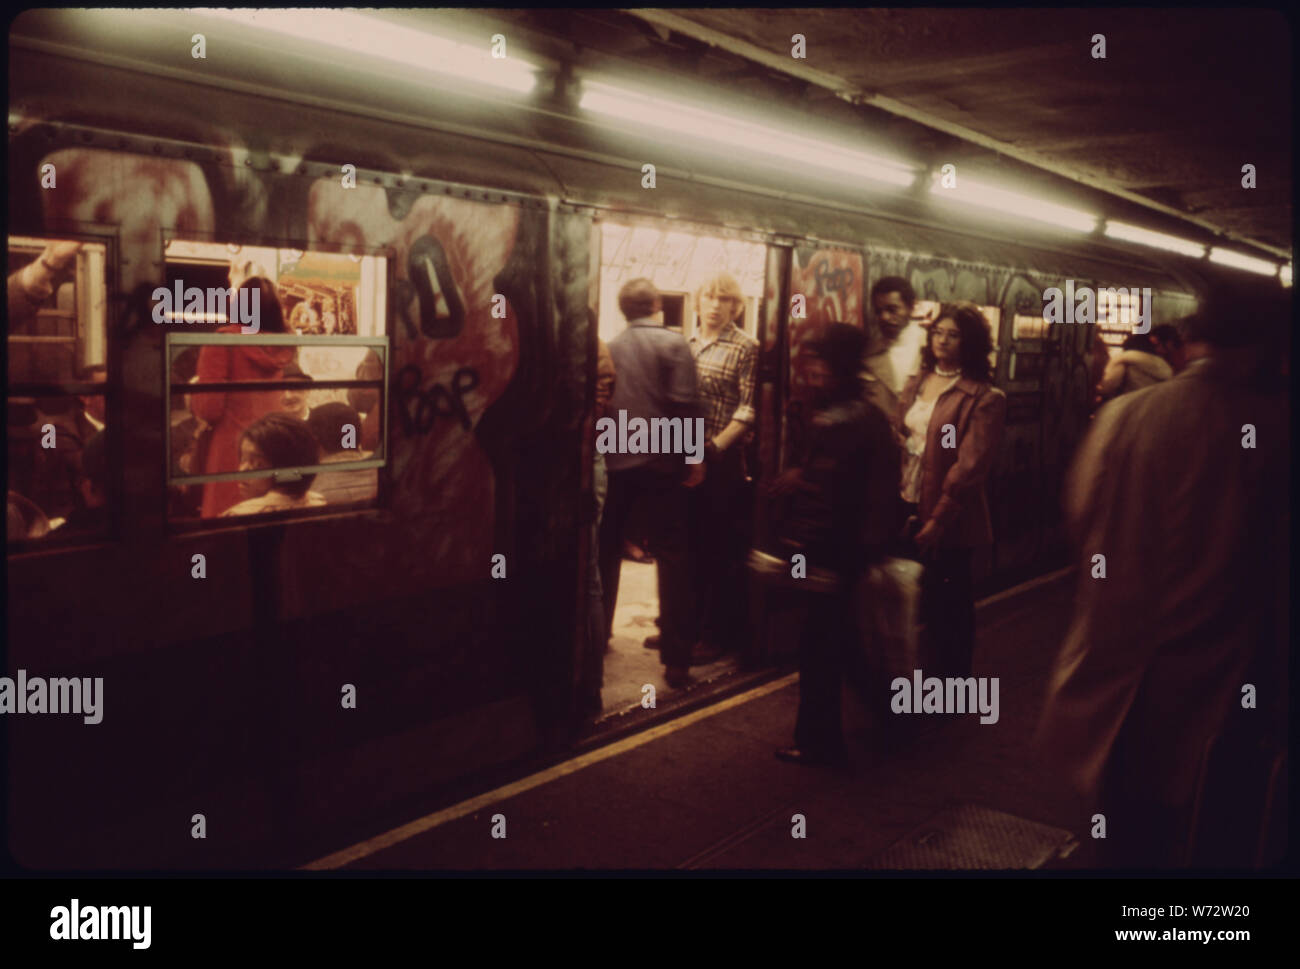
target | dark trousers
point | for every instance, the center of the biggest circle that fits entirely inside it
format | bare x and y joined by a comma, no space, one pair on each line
824,651
947,612
664,500
719,519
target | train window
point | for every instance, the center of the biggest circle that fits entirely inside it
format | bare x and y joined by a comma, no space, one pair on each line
58,367
278,420
1028,327
1117,313
677,260
674,310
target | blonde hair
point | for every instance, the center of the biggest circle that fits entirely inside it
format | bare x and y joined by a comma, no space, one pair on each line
722,284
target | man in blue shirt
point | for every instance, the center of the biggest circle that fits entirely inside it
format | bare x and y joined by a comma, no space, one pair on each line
656,380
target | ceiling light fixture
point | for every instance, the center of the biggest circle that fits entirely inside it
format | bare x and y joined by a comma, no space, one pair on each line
390,42
1227,257
987,196
740,138
1145,237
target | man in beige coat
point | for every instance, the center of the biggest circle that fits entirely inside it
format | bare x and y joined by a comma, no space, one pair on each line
1179,500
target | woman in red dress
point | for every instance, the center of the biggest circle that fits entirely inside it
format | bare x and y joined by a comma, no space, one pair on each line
230,413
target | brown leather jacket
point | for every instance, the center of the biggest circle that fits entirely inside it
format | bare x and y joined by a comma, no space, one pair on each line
952,479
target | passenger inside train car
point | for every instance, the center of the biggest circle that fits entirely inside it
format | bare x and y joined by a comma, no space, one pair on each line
304,375
57,342
709,290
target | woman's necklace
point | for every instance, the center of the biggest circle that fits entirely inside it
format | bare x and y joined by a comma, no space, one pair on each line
946,373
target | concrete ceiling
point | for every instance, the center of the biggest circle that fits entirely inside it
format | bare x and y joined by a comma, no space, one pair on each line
1162,125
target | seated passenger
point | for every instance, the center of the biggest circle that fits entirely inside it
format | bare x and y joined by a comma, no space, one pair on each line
294,399
92,516
23,519
329,423
366,400
276,441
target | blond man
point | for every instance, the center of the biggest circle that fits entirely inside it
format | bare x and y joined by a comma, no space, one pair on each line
726,361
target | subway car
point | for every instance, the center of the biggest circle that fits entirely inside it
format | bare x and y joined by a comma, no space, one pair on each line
275,680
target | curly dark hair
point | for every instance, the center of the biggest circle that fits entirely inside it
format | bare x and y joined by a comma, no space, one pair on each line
287,443
976,340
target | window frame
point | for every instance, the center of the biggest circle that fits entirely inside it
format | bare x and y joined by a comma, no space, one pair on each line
109,388
173,339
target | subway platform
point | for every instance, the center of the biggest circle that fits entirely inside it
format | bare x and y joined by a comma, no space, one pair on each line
703,791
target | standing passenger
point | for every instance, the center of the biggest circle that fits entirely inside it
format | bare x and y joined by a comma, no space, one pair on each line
1182,527
1136,366
229,413
1169,346
656,379
725,361
892,300
952,417
840,517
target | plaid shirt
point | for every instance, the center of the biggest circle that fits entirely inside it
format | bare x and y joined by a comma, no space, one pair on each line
724,371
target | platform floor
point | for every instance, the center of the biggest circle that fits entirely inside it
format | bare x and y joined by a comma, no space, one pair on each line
704,791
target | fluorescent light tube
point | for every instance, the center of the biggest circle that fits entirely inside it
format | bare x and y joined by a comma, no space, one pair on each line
1227,257
745,137
371,37
1131,233
1010,203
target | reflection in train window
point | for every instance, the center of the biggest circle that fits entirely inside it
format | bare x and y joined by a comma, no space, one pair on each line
1028,327
59,486
308,430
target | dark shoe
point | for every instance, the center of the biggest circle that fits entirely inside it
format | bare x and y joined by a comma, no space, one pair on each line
705,653
805,758
677,676
651,642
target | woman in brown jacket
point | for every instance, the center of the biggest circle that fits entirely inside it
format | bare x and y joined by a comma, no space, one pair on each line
951,417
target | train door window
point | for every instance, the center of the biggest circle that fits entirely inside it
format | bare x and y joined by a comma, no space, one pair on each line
677,260
1117,314
59,479
674,310
272,410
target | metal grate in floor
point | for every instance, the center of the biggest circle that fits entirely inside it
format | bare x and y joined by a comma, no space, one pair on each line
974,837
